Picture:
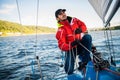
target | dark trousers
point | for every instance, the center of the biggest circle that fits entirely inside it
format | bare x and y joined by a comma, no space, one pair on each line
84,55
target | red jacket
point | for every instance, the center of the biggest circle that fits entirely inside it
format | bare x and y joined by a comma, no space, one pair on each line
65,34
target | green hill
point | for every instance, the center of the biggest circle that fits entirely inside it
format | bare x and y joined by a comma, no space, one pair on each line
11,28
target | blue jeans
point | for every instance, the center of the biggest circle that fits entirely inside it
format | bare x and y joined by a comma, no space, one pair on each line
84,55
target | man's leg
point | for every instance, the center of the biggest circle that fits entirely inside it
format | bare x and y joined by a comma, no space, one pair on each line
69,61
87,42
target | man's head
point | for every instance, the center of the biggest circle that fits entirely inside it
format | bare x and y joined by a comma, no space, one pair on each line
60,14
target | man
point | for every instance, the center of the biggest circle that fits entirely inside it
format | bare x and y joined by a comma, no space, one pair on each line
71,32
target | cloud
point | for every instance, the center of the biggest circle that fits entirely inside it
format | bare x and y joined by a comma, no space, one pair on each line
7,8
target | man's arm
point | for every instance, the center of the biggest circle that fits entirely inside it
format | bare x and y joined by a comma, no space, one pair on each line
60,36
82,26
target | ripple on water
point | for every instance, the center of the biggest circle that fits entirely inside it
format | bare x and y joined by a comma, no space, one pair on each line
17,54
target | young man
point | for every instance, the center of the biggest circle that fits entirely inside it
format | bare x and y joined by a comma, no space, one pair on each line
71,32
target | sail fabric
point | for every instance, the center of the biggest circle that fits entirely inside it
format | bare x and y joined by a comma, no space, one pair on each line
101,7
113,11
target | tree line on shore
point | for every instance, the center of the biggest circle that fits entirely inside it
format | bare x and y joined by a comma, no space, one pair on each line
111,28
11,27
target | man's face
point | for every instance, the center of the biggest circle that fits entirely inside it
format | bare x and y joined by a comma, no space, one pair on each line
62,16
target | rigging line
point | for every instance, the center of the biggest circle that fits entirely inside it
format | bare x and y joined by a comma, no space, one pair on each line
26,59
112,48
37,57
18,12
107,40
112,45
37,20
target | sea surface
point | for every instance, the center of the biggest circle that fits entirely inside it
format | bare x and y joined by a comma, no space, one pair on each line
18,55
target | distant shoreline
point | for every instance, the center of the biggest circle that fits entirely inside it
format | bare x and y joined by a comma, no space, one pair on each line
101,29
15,29
12,34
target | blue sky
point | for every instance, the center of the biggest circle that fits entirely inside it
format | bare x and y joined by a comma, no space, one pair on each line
46,17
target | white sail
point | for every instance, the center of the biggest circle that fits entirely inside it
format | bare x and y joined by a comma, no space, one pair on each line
101,7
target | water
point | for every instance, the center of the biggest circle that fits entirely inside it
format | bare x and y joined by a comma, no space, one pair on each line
18,62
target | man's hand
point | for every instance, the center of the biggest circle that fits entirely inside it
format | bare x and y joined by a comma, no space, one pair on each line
78,31
74,43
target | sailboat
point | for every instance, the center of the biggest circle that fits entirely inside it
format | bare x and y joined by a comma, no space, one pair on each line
110,71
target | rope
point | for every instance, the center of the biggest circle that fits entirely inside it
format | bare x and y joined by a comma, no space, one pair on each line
89,51
71,52
37,57
70,59
75,58
22,33
117,73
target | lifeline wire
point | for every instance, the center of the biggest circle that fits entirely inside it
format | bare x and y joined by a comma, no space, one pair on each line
37,57
21,31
